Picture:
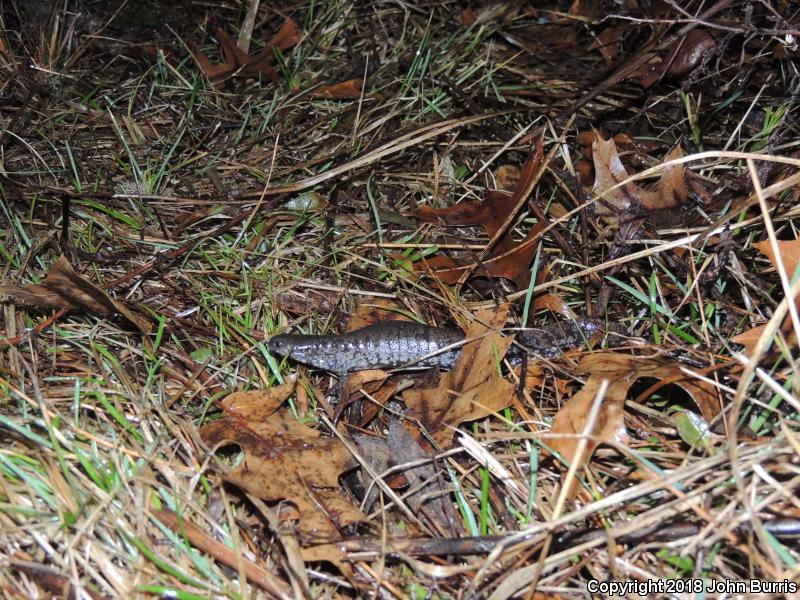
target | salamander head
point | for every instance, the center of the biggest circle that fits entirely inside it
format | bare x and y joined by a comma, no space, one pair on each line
283,344
312,350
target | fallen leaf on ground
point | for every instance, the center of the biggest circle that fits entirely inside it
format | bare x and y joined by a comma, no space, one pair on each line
467,17
509,259
285,460
672,190
344,90
65,288
36,296
609,42
372,310
474,389
428,495
610,424
375,382
374,451
237,63
621,371
506,177
686,56
790,256
431,497
301,303
789,251
629,198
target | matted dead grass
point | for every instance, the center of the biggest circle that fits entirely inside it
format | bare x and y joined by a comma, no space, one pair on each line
180,182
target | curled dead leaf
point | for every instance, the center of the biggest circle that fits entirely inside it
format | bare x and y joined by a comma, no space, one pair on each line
686,55
237,63
474,389
67,289
621,371
508,258
629,198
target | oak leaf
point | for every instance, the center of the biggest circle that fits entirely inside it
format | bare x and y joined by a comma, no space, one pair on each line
285,459
629,198
508,258
237,63
474,389
621,371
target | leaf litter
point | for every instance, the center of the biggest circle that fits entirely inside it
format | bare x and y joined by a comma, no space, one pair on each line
285,460
499,169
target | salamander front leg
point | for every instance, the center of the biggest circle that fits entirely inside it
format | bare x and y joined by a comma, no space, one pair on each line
341,394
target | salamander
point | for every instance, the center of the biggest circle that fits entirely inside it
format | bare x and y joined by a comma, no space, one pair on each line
394,344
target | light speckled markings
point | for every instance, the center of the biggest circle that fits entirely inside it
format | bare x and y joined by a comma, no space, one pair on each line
385,345
392,344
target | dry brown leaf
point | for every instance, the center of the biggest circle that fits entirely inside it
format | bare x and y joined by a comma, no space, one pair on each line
431,497
36,296
468,17
78,290
622,371
790,256
749,338
608,172
508,259
359,379
685,56
380,392
307,300
473,389
630,198
372,310
672,188
512,264
50,580
552,302
609,42
690,52
237,63
614,365
66,288
610,424
344,90
285,460
506,177
375,382
489,213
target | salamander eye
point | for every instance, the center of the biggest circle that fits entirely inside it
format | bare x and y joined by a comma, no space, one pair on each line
277,345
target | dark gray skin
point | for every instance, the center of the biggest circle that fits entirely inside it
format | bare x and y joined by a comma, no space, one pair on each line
385,345
394,344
